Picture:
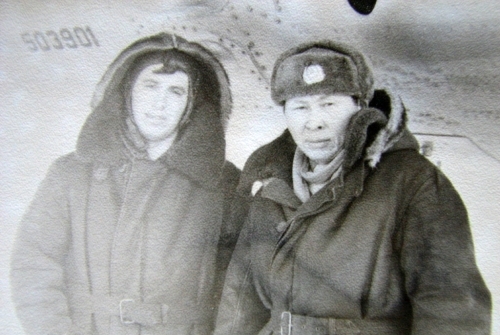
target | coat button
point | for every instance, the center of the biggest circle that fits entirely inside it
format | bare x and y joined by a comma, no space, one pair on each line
281,226
100,173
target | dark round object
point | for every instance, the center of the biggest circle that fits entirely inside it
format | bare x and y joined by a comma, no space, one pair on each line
364,7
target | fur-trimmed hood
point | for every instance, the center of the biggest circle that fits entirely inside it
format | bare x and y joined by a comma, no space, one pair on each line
372,131
199,150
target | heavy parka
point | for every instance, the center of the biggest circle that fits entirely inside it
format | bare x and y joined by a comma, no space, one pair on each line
384,249
115,243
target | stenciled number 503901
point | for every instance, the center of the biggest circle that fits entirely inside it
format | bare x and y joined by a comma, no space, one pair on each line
59,40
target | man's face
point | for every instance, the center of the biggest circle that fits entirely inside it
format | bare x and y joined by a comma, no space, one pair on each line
318,123
158,102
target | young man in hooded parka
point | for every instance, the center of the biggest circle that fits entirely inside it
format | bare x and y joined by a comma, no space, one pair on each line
351,230
122,235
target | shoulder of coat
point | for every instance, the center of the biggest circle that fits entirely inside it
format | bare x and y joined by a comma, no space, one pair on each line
407,162
69,166
270,160
229,178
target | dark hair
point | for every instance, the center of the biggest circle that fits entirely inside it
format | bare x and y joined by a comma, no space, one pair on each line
172,61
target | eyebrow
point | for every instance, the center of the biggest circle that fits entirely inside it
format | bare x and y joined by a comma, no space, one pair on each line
299,102
325,97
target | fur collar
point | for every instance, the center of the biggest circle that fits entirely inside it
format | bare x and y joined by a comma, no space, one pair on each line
372,131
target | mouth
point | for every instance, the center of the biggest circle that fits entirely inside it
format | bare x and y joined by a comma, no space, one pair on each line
317,143
155,117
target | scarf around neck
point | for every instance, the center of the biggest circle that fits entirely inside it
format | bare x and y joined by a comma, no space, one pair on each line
307,182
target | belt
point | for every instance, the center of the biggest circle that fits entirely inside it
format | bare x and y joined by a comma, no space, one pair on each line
130,310
134,311
286,323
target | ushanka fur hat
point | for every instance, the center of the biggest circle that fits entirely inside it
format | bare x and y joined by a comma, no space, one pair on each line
323,67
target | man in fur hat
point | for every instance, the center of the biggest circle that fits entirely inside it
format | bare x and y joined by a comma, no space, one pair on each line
350,230
122,236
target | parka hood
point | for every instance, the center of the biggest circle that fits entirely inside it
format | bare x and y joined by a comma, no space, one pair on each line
371,132
199,149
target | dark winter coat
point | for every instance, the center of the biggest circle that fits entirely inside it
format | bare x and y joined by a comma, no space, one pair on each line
385,249
114,243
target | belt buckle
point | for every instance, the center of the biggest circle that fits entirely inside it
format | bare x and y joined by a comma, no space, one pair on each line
286,323
124,319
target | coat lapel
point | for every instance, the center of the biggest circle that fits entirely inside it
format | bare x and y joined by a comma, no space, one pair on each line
335,197
280,192
128,236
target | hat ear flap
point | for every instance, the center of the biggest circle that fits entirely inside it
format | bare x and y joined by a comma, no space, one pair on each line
359,133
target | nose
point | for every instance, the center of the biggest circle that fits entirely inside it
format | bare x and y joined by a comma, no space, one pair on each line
315,122
161,101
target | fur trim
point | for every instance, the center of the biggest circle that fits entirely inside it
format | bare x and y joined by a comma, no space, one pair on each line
392,131
286,82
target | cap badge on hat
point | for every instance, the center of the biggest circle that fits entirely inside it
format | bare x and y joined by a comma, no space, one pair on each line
313,74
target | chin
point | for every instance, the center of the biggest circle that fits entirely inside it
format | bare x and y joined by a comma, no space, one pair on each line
321,155
159,139
319,158
155,135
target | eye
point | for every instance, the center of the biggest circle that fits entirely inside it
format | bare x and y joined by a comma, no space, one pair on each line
178,91
150,83
327,104
299,107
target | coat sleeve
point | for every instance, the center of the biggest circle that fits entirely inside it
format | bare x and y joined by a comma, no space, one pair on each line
235,210
241,311
446,290
37,265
